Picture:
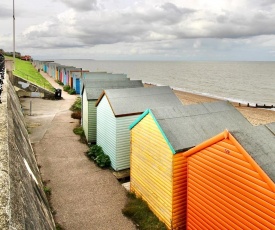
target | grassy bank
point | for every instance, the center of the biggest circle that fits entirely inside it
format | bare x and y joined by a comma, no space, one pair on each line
25,70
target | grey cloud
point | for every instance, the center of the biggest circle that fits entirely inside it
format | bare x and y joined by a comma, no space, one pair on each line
81,5
5,12
166,22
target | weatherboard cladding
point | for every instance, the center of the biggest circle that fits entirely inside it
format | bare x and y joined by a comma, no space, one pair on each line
187,126
151,168
95,91
133,101
226,187
141,98
107,122
85,114
91,96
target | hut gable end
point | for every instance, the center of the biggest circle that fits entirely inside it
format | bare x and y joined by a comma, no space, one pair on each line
151,167
232,189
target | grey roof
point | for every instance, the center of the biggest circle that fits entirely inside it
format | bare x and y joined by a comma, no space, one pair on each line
97,87
271,127
89,82
259,142
94,82
98,74
136,101
187,126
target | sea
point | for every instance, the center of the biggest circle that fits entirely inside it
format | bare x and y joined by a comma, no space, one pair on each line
242,82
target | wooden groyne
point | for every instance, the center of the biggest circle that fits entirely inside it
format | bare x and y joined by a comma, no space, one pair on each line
264,106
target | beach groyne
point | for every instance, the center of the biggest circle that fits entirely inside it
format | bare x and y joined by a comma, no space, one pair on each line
24,204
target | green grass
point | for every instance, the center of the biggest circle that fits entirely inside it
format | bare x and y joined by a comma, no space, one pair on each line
25,70
76,107
79,131
138,211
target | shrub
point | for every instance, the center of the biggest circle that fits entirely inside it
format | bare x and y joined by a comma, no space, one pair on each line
71,91
97,154
76,105
95,151
103,160
79,131
59,82
47,190
66,88
76,115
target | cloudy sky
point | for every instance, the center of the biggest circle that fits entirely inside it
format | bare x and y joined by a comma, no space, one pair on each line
241,30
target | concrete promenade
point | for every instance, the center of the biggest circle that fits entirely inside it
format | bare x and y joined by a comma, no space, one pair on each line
83,195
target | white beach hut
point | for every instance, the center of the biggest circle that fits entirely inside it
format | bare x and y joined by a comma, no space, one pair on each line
90,93
117,109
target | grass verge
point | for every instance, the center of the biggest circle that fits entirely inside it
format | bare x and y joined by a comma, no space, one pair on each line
138,211
25,70
79,131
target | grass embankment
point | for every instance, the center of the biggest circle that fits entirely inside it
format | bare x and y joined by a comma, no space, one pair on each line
25,70
138,211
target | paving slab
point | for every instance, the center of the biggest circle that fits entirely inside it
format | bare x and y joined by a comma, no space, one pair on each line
83,195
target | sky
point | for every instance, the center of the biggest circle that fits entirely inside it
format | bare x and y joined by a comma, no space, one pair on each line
189,30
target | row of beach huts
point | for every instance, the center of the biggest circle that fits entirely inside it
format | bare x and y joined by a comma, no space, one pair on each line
200,166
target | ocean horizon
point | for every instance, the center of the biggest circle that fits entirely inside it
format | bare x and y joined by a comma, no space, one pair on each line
237,81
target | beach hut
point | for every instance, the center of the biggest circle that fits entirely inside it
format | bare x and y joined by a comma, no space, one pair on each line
90,93
92,75
158,139
231,181
77,75
117,109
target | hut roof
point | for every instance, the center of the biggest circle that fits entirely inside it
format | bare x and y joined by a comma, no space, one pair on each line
101,74
136,101
95,89
187,126
89,82
259,142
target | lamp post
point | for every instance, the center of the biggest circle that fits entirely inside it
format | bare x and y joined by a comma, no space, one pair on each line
13,38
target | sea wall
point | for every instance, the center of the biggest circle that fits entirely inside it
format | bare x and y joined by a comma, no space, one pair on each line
23,202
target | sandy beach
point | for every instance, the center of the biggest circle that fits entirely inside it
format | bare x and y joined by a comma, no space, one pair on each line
255,116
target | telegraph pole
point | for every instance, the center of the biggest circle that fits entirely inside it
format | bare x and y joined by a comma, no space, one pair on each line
13,38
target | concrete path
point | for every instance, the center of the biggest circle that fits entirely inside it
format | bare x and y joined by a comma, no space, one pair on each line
83,195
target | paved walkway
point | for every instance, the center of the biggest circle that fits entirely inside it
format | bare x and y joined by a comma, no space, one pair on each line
83,195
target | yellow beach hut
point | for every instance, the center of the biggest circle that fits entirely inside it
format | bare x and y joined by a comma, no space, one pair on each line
158,137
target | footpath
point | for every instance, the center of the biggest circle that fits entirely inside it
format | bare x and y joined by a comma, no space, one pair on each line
83,195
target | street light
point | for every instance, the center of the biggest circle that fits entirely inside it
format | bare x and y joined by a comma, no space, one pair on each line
13,38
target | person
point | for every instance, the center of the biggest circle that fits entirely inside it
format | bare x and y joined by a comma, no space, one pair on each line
1,89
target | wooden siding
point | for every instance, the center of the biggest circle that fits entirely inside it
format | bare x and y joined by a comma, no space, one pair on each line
226,191
151,168
106,130
123,141
85,114
92,121
179,191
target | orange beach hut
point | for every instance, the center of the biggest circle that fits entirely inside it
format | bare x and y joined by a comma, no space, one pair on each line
159,139
230,181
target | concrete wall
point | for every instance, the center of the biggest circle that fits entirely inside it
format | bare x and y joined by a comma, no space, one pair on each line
23,202
29,88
